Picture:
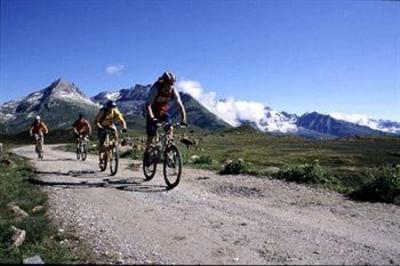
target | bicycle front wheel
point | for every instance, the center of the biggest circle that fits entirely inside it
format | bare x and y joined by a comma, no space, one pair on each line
114,160
39,150
78,152
150,159
83,152
172,166
103,161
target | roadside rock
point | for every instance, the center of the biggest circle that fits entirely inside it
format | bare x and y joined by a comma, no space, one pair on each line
194,158
37,208
60,232
33,260
19,213
272,170
18,237
6,162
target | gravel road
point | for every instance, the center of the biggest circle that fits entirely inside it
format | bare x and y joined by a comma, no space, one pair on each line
212,219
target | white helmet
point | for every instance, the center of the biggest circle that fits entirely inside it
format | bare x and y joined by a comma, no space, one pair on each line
37,117
168,77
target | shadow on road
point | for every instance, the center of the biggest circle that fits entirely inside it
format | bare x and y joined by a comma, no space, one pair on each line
127,184
69,173
144,188
60,159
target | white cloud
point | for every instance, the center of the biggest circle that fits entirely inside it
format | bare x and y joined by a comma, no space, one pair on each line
115,69
194,89
354,118
234,111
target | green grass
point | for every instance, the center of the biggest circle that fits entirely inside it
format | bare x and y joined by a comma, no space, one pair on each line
41,234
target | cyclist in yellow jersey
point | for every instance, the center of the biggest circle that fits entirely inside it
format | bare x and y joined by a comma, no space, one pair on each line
105,121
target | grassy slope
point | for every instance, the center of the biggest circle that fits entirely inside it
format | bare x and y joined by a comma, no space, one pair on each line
41,235
346,159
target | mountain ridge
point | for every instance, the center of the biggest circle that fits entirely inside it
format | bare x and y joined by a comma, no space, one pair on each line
61,101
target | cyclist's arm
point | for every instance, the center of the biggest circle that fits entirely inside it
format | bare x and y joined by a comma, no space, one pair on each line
150,100
120,118
98,117
46,130
180,104
89,127
74,128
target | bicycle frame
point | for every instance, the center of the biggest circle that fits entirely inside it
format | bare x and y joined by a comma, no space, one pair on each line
82,139
109,142
38,140
161,150
162,139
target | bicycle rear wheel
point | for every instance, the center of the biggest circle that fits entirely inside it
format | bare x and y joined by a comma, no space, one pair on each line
39,150
150,159
172,166
114,158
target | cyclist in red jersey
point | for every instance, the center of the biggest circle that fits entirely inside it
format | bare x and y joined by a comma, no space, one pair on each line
157,105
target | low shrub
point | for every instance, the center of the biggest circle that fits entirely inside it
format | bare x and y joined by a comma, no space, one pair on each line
308,173
383,185
235,168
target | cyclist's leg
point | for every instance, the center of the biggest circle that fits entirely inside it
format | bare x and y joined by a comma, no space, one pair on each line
77,142
167,118
151,131
36,139
85,136
115,135
101,136
42,140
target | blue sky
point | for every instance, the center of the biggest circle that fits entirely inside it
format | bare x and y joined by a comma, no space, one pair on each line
296,56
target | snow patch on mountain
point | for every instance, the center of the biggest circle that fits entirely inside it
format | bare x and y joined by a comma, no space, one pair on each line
278,122
112,95
65,91
6,117
34,98
363,120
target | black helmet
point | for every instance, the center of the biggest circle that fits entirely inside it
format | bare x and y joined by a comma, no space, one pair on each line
80,116
168,77
111,104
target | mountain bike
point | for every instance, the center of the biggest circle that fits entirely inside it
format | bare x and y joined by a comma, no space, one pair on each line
164,150
109,153
81,151
39,146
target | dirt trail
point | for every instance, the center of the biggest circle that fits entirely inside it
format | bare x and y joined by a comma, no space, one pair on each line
213,219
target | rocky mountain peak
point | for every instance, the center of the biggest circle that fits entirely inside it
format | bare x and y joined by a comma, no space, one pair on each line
61,87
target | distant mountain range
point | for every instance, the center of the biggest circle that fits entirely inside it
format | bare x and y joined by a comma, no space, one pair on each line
60,103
